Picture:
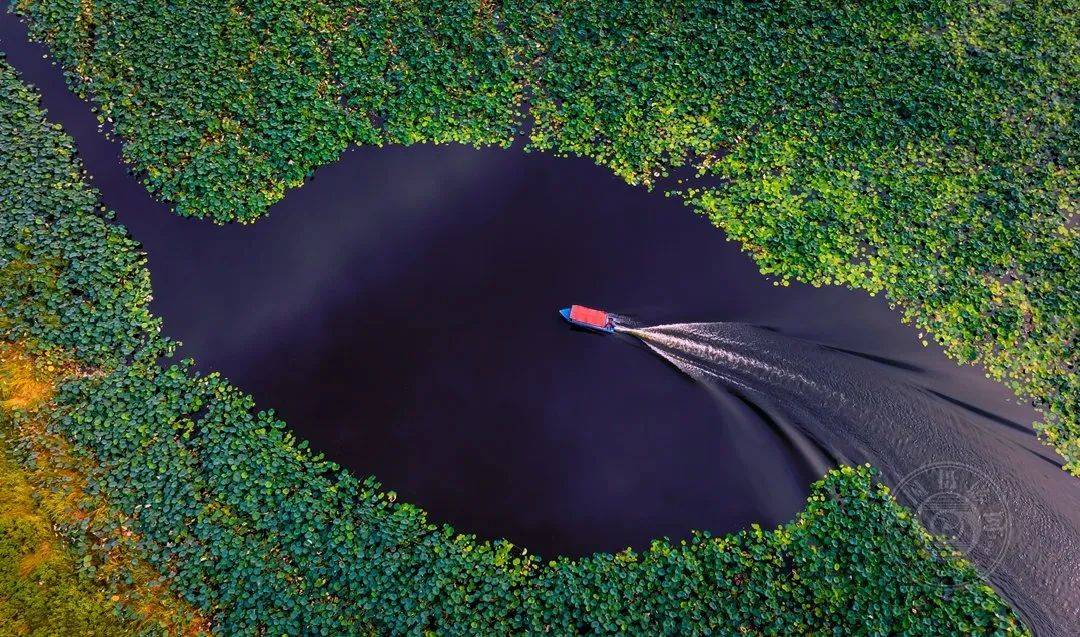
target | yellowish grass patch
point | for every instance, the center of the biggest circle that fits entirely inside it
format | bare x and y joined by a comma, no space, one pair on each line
50,493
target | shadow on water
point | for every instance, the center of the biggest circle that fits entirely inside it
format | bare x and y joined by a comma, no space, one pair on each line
400,313
980,479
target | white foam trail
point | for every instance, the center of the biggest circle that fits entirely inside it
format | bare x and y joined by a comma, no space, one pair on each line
697,371
702,341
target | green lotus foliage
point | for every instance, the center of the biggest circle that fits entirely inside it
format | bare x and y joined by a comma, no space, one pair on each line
925,149
267,538
69,278
257,95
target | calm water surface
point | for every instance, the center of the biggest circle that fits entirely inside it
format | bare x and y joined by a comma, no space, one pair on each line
399,312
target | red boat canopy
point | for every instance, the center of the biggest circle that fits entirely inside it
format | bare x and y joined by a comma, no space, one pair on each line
587,315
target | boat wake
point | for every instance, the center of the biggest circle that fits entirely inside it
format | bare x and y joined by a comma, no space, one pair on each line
983,481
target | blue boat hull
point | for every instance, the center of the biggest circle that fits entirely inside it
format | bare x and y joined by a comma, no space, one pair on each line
565,313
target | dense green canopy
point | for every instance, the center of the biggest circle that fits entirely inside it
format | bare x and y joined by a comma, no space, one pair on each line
267,538
921,148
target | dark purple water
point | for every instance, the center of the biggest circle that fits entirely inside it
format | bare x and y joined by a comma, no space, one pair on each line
399,312
980,480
